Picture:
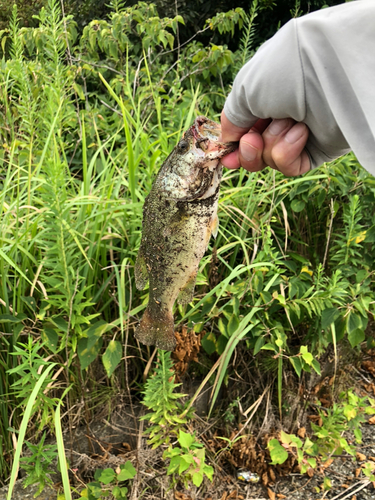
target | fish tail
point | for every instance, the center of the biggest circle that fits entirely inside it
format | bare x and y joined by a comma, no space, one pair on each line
157,328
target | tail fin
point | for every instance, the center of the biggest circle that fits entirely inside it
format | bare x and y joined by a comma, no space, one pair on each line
157,328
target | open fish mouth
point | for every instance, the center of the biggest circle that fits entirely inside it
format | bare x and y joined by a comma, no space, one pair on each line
206,134
206,129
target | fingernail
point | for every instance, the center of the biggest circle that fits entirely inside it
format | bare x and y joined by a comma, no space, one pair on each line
295,133
248,152
277,126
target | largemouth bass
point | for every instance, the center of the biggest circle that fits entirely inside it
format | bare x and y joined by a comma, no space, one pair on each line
179,216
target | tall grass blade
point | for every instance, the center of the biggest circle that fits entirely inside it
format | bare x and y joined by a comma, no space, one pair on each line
61,452
238,335
23,428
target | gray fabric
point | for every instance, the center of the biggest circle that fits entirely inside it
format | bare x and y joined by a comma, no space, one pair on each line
318,69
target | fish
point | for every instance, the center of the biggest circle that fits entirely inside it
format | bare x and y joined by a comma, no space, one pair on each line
179,216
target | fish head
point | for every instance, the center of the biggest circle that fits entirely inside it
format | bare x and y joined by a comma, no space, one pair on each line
193,169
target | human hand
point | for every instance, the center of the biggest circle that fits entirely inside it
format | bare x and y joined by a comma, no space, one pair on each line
276,143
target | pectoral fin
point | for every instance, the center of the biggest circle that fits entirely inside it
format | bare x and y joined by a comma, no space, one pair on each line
140,271
187,292
214,225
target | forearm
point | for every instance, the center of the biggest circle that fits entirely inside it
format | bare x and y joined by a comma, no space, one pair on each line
317,69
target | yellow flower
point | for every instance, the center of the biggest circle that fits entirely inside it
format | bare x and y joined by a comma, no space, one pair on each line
306,270
360,237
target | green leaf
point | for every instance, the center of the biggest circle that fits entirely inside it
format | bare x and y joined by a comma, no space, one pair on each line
269,347
208,304
107,476
51,338
285,438
198,478
97,474
185,439
297,205
350,412
307,356
30,301
221,344
209,343
60,323
94,489
173,465
327,483
312,462
296,363
329,316
278,453
353,322
266,297
127,472
116,492
87,356
315,364
95,331
8,318
233,324
112,356
259,344
356,337
185,462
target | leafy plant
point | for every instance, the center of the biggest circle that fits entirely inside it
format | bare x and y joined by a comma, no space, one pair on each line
86,119
27,373
37,464
110,482
188,462
327,438
162,401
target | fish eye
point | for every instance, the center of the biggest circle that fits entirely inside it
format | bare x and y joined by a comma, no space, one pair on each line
183,146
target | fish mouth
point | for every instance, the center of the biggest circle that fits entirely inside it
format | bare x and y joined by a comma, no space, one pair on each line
206,134
206,129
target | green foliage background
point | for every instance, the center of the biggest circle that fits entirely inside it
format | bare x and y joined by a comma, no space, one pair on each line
88,113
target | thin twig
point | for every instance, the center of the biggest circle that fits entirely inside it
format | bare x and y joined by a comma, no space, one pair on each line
347,493
177,33
181,45
109,107
90,63
329,233
361,375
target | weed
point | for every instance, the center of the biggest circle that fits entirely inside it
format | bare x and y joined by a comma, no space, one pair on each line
37,464
327,438
188,462
110,482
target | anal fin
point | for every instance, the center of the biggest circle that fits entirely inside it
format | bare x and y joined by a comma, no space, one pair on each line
214,225
187,292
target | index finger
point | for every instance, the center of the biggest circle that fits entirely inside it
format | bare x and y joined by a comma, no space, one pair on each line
229,131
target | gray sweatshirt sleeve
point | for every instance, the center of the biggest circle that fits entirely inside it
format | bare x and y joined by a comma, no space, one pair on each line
318,69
